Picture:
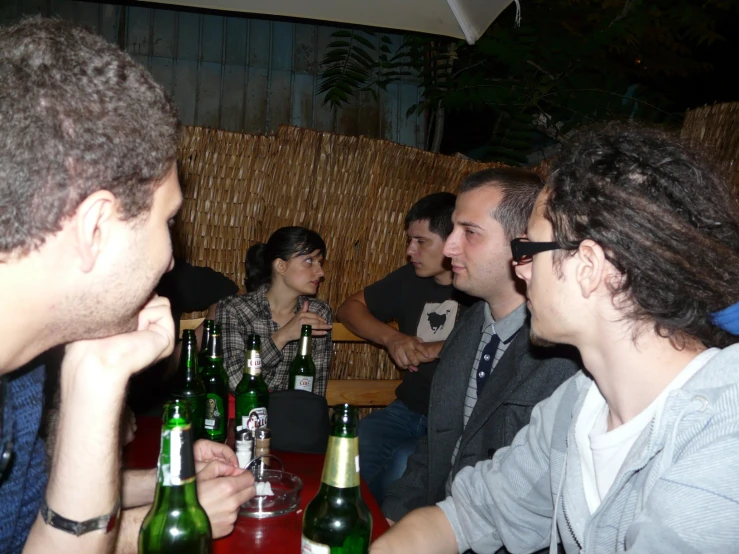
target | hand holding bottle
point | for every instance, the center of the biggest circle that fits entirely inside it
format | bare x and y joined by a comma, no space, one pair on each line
291,330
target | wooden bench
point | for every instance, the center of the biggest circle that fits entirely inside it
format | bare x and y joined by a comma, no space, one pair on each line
359,392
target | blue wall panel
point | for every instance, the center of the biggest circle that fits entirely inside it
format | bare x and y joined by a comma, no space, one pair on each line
237,73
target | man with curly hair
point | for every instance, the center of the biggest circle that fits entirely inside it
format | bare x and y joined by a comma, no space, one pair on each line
632,256
88,187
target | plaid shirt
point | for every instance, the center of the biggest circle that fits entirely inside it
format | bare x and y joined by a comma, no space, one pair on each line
245,314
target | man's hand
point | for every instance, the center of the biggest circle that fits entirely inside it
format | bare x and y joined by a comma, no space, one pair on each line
206,451
120,356
424,530
222,489
407,352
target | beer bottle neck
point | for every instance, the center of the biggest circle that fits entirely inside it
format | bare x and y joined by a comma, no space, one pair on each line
176,465
188,360
206,340
341,468
305,347
253,362
215,350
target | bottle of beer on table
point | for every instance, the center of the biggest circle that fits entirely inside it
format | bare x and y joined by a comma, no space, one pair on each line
337,521
216,389
252,394
190,387
302,369
203,354
176,522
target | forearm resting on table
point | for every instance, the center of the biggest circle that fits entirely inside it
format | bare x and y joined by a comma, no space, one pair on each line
138,487
356,317
128,535
84,476
424,530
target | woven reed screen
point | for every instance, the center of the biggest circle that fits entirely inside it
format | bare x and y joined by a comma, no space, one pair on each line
715,129
354,191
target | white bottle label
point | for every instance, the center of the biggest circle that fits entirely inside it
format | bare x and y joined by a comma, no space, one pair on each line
256,419
307,546
304,383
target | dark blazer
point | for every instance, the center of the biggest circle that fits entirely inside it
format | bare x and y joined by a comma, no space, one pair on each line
524,376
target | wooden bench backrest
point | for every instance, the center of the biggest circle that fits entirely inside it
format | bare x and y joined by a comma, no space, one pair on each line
359,392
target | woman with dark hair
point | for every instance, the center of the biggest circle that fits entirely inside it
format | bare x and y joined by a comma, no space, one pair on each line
282,278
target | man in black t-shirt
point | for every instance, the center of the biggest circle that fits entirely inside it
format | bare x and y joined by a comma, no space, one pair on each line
421,298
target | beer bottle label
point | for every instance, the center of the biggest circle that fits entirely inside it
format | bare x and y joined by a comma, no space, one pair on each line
254,363
178,470
307,546
214,414
256,418
303,382
341,469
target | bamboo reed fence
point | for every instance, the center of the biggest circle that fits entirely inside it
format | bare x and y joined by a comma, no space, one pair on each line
354,191
715,130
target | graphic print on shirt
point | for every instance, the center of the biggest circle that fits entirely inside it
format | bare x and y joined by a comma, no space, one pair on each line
437,320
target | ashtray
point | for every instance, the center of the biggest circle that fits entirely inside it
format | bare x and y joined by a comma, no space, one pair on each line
285,499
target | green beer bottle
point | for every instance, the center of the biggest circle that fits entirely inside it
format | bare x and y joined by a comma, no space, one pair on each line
302,369
203,354
252,394
337,521
216,389
176,522
190,388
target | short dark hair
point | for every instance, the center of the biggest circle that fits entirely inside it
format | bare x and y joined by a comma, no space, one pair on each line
667,222
284,243
437,209
519,187
77,116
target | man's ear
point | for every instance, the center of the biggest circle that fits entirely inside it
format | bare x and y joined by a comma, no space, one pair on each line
95,217
591,267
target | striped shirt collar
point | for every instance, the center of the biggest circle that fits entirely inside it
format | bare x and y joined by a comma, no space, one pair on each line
507,327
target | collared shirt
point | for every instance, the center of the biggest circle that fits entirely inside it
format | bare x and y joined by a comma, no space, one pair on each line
506,329
246,314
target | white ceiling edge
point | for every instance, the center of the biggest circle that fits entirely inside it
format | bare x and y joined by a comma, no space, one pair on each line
467,19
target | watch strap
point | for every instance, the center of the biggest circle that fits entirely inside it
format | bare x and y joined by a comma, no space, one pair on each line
104,523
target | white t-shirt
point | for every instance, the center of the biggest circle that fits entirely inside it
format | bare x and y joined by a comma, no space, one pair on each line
602,452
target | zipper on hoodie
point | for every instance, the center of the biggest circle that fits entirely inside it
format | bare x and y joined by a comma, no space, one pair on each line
564,510
569,524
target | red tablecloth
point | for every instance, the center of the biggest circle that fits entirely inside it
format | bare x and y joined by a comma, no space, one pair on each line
279,535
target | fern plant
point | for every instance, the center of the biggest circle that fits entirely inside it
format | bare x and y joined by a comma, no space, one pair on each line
357,62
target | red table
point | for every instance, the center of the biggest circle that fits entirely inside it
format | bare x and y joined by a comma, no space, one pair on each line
278,535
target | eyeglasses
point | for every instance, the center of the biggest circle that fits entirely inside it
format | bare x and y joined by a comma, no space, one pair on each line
524,250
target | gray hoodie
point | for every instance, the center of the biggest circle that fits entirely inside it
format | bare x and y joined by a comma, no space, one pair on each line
677,492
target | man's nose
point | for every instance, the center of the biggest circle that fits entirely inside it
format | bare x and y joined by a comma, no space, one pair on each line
451,246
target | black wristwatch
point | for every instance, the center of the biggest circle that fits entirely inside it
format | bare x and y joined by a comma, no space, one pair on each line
103,523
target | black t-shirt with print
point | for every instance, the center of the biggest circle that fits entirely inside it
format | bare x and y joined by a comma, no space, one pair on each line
422,308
